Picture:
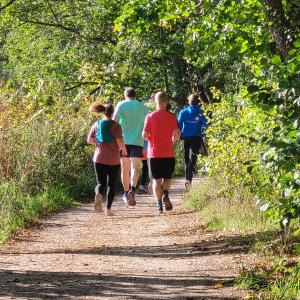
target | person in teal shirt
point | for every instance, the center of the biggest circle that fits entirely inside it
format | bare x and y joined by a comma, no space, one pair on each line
130,114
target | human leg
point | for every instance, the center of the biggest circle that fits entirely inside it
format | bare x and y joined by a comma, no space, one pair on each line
161,169
165,198
101,178
144,177
187,149
125,176
134,175
135,163
195,146
145,172
157,192
112,175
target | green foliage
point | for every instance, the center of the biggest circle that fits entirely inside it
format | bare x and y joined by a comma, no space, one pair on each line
56,53
279,282
18,209
238,212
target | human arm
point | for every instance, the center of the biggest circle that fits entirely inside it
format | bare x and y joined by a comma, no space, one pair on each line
121,146
176,135
91,139
116,131
145,135
176,130
180,119
117,114
146,130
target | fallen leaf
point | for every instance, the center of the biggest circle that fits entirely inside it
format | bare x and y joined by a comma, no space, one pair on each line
219,285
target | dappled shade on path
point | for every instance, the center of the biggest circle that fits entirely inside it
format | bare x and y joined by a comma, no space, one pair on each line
137,255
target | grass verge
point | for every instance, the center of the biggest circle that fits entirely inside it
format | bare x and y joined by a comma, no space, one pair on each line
18,210
277,282
218,212
278,277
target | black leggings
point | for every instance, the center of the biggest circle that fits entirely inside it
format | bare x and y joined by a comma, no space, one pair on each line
192,147
102,172
145,173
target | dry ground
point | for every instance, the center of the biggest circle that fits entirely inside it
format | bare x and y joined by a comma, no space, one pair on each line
136,254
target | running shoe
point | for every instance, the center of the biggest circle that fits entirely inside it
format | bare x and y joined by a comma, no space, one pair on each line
187,185
159,207
125,198
167,202
142,190
98,204
131,198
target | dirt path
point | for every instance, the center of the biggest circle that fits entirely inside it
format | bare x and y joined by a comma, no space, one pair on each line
136,254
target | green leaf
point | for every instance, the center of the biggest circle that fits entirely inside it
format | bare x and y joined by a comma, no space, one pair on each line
276,60
297,43
244,46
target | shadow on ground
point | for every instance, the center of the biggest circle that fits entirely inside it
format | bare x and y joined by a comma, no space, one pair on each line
61,285
237,244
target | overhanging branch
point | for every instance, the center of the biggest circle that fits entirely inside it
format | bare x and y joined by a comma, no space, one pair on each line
7,4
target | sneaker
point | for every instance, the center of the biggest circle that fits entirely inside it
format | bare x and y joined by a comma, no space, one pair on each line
167,202
98,204
187,185
159,207
142,190
131,198
109,213
125,198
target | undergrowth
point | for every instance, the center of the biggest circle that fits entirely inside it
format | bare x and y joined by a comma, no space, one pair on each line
19,210
219,212
277,282
278,276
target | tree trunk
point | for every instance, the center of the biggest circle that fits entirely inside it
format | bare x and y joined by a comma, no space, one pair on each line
279,26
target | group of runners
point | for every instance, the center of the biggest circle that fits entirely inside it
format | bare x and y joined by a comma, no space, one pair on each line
129,134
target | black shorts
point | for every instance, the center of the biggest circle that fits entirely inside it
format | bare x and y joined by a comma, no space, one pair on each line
134,151
161,167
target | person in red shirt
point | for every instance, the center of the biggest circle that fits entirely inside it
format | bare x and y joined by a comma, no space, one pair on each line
161,131
107,136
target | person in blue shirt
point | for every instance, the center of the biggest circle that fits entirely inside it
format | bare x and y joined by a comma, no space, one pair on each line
192,123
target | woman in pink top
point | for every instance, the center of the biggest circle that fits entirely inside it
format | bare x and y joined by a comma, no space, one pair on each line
106,135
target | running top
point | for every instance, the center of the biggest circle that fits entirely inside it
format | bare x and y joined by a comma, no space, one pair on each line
160,125
107,153
191,121
131,116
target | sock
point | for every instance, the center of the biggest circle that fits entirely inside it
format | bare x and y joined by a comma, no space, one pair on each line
166,192
132,188
126,193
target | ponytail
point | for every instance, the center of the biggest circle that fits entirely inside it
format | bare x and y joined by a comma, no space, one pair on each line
107,110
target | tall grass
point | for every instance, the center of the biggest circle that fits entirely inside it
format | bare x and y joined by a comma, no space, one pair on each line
45,162
220,212
18,209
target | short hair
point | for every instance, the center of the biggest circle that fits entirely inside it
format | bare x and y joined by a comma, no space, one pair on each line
194,99
161,97
129,92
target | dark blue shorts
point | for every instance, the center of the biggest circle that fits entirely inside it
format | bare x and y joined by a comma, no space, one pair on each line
134,151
